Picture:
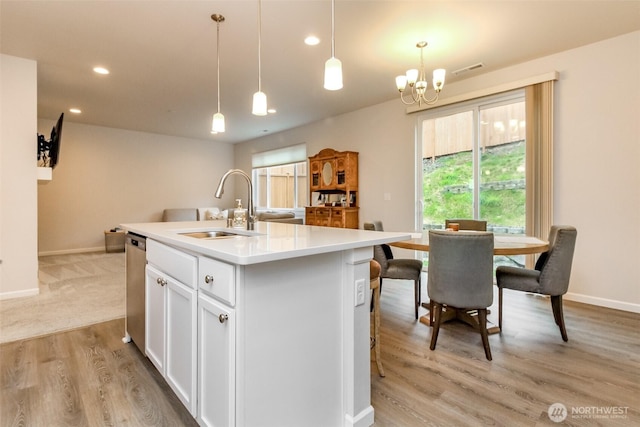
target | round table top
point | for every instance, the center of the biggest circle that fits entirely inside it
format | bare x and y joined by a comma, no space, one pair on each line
503,244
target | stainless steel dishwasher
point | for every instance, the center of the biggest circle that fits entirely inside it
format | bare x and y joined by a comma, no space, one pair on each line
136,260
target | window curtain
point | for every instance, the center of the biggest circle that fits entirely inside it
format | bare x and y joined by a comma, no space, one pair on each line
539,168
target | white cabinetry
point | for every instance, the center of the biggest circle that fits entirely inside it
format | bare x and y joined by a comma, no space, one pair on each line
239,347
216,343
216,363
171,319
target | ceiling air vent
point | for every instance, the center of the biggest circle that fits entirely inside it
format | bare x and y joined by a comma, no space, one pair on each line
468,68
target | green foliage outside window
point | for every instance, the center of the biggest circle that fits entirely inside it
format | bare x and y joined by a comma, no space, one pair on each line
448,187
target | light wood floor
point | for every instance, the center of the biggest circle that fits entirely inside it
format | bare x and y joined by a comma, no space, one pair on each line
88,377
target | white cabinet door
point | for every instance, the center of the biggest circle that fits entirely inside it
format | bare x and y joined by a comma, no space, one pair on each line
181,360
216,363
155,310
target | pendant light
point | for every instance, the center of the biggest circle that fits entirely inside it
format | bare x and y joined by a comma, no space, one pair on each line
217,126
333,66
259,98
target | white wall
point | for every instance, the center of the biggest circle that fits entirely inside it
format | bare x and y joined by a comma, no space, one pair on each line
18,202
596,157
106,177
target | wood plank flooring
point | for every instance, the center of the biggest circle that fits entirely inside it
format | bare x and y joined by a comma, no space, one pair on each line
88,377
84,377
532,368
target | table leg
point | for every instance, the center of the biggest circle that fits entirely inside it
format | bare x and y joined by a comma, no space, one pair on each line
469,317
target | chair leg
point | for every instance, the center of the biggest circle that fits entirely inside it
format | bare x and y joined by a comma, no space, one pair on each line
431,307
482,323
500,309
435,326
556,306
416,292
376,330
371,307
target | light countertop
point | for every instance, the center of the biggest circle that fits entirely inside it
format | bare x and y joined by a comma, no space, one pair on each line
270,241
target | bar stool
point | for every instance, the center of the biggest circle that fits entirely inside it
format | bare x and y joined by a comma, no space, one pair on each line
374,285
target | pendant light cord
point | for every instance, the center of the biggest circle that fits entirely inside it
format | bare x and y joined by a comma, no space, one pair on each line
218,58
333,28
259,45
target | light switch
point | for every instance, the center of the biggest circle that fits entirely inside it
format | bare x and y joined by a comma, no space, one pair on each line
387,196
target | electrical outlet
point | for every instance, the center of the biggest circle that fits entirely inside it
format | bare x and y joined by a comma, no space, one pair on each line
359,292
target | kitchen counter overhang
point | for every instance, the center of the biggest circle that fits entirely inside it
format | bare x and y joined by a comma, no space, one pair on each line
270,241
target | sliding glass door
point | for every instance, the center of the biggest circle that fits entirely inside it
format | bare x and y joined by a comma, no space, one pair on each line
473,164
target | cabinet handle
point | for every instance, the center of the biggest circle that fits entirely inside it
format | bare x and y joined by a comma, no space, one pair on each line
223,317
208,278
160,281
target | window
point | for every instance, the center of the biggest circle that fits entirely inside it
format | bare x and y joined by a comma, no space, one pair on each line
280,178
281,187
473,164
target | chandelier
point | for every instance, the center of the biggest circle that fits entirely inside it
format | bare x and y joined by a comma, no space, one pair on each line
417,82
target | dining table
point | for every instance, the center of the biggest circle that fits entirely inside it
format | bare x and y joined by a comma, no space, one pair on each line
503,244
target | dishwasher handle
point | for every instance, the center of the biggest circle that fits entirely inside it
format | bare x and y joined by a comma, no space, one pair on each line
138,241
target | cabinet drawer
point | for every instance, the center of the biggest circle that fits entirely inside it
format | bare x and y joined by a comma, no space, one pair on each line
173,262
217,279
323,213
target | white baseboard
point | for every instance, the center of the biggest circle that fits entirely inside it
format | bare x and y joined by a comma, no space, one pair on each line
19,294
72,251
603,302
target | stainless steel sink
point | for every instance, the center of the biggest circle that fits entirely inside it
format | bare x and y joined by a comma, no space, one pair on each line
209,234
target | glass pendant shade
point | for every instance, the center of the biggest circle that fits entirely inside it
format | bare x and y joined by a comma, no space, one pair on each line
217,125
259,104
438,78
333,74
401,82
412,76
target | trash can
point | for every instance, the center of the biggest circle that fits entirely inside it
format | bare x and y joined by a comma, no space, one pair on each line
114,240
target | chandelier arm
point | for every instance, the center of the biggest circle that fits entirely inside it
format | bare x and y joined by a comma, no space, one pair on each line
413,99
432,100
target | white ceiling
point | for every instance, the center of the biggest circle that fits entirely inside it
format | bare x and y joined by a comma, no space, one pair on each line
162,54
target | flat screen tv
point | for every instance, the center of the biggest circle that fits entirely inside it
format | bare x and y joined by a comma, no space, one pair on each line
49,151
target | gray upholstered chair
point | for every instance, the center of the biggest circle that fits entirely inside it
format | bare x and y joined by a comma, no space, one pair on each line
180,214
392,268
461,277
549,277
468,224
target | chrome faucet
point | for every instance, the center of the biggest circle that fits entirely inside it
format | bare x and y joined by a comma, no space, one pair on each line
250,210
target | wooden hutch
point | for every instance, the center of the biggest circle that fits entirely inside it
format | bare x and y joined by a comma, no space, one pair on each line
333,183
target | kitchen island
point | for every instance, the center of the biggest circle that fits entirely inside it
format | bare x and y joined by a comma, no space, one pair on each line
268,328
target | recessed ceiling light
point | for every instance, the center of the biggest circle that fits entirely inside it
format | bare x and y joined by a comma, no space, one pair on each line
75,110
271,111
311,40
100,70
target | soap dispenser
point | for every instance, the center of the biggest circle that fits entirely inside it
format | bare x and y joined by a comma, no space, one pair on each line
239,215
